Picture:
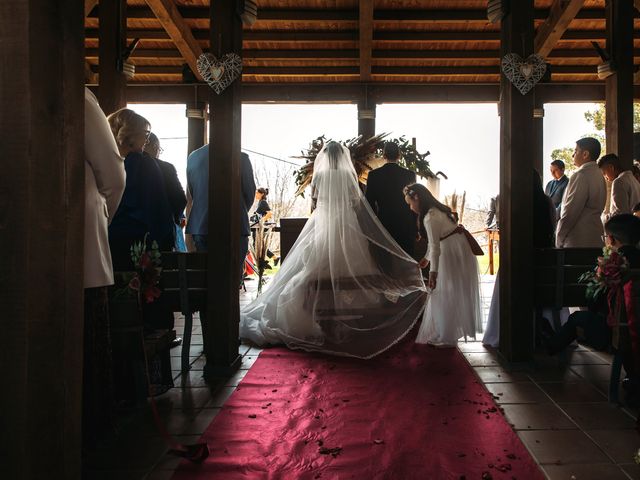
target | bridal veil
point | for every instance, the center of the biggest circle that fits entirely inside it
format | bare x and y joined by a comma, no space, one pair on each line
346,287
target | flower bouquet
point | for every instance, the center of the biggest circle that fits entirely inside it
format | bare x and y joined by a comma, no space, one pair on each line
608,276
142,282
259,250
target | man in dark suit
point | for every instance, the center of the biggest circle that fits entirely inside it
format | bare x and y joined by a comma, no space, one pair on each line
385,195
555,188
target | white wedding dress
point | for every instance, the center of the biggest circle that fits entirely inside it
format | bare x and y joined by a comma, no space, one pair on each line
454,309
346,287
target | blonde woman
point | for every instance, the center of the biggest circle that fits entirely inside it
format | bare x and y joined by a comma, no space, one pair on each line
144,206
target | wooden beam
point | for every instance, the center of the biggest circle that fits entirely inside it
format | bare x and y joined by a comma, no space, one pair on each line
42,232
350,93
352,35
113,83
365,24
175,26
561,15
516,204
351,15
619,86
88,6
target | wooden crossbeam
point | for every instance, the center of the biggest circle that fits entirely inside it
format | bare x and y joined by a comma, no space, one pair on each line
175,26
365,23
352,35
88,6
561,15
351,15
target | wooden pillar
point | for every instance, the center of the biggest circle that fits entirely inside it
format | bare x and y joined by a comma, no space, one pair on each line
112,33
223,315
41,237
539,162
619,86
516,166
196,114
367,118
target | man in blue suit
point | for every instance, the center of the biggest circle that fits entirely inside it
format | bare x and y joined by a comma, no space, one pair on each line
555,188
198,189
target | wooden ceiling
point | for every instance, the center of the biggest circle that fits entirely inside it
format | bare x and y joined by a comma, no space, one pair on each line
352,41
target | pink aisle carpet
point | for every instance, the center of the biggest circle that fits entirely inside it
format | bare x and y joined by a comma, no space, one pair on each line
412,413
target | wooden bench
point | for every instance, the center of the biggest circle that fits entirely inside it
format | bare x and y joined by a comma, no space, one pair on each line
127,334
556,273
184,280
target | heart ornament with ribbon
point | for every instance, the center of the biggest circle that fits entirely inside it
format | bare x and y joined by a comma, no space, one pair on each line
219,74
523,74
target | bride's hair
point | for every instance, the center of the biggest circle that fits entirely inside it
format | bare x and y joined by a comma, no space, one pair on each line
333,150
427,201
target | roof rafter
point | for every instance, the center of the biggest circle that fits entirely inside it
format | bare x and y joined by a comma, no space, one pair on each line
175,26
365,23
560,16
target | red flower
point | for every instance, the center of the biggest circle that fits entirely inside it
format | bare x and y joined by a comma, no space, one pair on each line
134,283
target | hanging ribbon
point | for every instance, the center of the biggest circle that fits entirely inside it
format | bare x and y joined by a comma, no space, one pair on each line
631,308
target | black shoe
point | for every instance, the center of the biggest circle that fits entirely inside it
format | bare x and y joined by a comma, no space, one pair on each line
176,342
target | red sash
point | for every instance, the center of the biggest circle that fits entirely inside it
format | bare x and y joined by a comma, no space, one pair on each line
475,247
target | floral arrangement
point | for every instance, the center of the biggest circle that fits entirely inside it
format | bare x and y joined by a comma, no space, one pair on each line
143,280
608,276
365,155
259,250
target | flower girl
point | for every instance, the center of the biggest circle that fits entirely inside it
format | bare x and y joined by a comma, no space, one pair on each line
453,309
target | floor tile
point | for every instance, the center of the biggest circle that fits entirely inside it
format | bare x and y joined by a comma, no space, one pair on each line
176,362
472,347
581,392
621,445
498,375
591,416
179,423
545,416
521,392
248,361
631,469
171,462
236,378
115,474
220,397
192,378
584,472
185,398
481,359
555,374
562,447
194,351
587,358
594,373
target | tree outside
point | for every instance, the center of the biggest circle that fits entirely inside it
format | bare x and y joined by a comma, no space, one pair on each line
597,119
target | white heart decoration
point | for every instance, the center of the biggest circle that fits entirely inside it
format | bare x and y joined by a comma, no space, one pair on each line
216,72
219,74
523,74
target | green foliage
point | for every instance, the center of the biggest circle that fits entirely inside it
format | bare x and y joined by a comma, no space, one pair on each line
363,151
597,117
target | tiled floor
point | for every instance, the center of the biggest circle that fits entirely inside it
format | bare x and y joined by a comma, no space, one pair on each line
560,412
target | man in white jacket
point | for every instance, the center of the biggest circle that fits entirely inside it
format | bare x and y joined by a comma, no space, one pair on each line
625,189
584,200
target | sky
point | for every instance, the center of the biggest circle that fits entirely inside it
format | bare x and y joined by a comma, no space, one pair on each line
463,139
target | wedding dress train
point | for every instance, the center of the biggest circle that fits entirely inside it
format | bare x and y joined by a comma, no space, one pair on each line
346,287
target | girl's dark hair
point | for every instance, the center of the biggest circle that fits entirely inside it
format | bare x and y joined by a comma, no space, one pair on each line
625,228
427,202
264,191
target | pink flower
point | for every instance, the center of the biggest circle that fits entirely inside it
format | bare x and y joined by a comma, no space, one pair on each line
145,260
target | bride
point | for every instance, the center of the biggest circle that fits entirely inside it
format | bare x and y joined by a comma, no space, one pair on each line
346,287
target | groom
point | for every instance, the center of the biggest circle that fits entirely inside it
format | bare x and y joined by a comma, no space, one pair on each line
384,194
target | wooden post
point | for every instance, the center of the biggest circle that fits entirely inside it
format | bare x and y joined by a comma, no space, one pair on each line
112,90
619,86
516,211
221,341
196,113
367,118
41,237
539,162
